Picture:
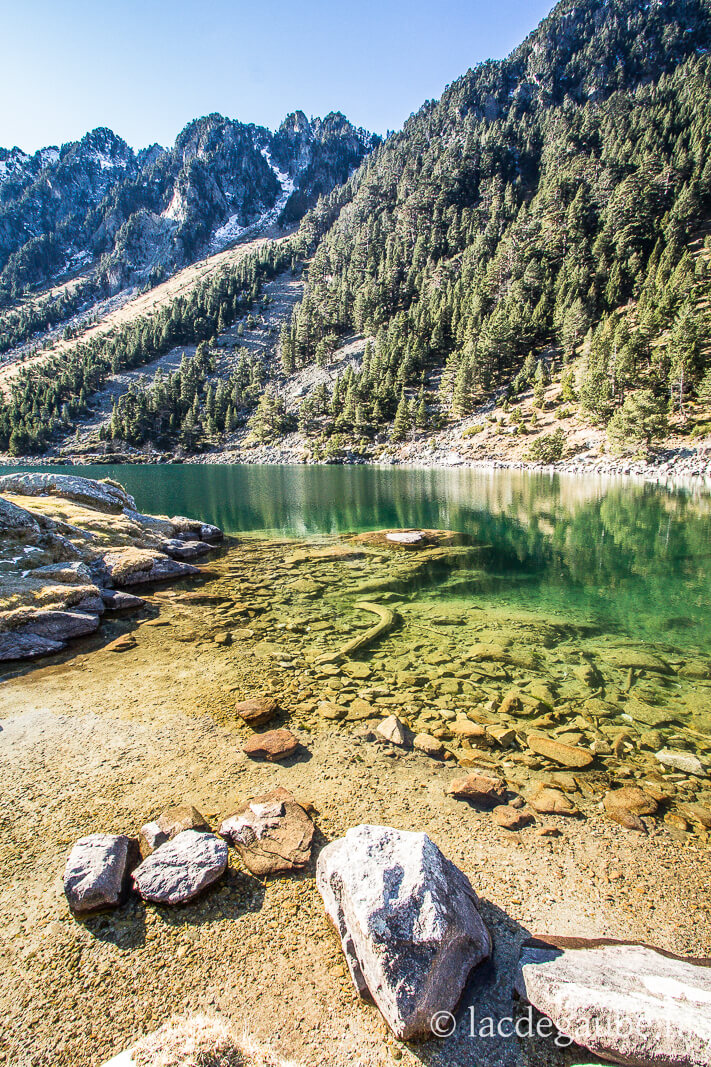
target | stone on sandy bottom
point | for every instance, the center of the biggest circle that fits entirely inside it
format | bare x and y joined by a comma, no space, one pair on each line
405,537
677,760
124,643
559,752
470,731
408,922
394,731
169,824
328,710
272,746
272,833
627,1003
429,745
625,805
548,801
180,869
511,818
479,788
256,711
96,871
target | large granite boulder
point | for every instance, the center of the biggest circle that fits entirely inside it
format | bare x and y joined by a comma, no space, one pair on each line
272,833
104,496
180,869
408,923
627,1003
97,871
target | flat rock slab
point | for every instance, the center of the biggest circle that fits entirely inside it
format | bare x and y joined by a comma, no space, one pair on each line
274,745
97,871
479,788
548,801
631,1004
405,537
272,833
678,760
408,923
256,711
559,752
180,869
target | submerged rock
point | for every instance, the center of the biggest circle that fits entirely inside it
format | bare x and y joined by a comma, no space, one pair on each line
548,801
429,745
559,752
627,1003
408,923
686,762
169,824
625,805
97,870
273,833
180,869
511,818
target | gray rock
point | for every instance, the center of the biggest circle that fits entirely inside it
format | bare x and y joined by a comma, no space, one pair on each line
100,495
45,632
178,548
26,646
181,868
405,537
686,762
408,922
627,1003
117,600
96,871
22,523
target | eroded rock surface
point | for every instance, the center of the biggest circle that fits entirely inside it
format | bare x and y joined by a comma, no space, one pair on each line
96,872
272,833
180,869
408,922
627,1003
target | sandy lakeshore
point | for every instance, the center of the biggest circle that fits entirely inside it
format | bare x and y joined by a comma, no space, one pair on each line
98,740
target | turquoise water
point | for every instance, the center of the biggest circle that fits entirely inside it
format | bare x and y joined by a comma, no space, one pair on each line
630,559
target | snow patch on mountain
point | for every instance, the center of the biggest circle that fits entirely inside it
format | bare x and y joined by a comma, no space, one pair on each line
232,230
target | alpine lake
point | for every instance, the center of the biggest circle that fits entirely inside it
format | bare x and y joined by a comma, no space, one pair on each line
576,605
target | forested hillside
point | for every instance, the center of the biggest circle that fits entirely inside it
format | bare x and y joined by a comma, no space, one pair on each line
547,221
545,207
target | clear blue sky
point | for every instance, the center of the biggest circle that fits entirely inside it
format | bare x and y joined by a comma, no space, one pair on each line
146,67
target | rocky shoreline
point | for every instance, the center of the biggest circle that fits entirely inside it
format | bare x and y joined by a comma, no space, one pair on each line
672,466
71,547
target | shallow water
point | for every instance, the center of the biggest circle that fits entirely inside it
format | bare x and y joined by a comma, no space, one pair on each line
630,559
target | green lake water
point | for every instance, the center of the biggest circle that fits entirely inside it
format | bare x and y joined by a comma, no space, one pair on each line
630,559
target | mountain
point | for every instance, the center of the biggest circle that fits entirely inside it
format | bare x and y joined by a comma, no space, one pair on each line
523,269
544,209
137,217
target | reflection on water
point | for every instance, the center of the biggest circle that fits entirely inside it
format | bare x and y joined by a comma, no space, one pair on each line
629,558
